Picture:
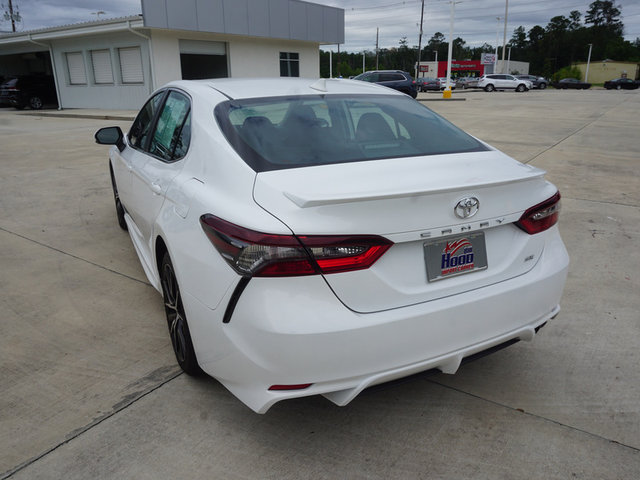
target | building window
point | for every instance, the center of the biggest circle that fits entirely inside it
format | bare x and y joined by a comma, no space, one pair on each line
101,62
131,65
75,65
289,64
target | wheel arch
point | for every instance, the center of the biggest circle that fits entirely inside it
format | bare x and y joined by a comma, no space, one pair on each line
159,251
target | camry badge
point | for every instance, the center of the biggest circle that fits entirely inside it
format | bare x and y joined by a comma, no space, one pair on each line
467,207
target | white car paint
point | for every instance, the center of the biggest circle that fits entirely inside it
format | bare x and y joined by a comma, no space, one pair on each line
339,332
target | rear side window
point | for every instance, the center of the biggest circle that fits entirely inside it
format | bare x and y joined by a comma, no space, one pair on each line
391,77
290,132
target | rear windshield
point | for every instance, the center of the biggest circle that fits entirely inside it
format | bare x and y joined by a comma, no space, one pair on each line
289,132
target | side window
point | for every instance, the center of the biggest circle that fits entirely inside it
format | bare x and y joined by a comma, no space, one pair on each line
142,124
371,77
387,77
172,135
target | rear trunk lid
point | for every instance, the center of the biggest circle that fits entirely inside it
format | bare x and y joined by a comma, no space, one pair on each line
412,201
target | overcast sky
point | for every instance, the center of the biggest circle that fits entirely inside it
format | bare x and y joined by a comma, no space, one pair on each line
475,20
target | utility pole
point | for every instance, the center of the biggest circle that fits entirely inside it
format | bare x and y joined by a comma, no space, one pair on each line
12,16
377,31
338,61
504,39
586,75
420,39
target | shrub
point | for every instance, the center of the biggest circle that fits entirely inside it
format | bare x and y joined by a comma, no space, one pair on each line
567,72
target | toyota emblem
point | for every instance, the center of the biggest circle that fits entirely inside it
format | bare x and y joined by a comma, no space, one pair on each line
467,207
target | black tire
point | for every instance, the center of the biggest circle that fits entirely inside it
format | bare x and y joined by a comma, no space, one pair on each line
542,86
177,320
489,88
35,102
119,207
521,88
618,87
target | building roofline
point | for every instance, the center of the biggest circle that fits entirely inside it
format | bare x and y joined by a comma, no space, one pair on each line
74,29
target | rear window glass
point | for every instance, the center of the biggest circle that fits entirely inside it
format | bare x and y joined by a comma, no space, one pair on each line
290,132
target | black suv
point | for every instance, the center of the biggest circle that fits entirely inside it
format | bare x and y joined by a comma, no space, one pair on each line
28,91
396,79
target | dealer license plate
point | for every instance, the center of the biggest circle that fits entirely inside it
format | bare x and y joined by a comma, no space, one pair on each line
451,256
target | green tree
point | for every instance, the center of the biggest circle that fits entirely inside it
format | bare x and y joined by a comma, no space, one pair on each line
519,39
603,13
575,20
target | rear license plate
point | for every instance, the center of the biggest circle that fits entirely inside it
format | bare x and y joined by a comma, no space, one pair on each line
452,256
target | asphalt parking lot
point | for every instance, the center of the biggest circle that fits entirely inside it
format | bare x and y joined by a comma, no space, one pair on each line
90,388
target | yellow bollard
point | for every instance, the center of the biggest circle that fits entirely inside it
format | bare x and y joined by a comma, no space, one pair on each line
446,93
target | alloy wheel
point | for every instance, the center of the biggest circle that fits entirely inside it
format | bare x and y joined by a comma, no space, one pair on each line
177,320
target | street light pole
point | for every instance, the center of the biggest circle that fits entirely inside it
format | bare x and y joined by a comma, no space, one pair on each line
504,39
447,88
420,39
377,32
586,75
495,58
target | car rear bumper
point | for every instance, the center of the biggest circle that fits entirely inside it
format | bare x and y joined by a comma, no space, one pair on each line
295,331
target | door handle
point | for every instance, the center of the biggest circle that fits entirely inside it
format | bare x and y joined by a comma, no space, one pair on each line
156,188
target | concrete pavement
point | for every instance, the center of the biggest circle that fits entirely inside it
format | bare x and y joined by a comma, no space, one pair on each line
91,390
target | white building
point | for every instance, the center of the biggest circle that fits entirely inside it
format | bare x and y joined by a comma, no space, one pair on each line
117,63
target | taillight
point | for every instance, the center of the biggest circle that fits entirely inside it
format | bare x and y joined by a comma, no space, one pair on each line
541,217
266,255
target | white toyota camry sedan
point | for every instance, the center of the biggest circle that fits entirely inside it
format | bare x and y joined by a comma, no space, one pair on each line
322,236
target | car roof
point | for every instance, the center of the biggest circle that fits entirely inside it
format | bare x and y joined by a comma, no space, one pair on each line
238,88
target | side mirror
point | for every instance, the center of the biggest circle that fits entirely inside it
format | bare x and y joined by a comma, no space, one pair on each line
110,136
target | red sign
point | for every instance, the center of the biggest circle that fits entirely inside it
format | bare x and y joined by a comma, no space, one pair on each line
461,65
424,68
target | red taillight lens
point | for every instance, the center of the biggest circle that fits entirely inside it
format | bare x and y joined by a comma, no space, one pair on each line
541,217
335,254
264,255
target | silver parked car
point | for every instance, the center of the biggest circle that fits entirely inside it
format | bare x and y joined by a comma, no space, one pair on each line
503,81
537,82
466,82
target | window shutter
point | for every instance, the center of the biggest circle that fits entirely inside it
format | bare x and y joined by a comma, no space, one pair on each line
75,63
101,60
131,65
